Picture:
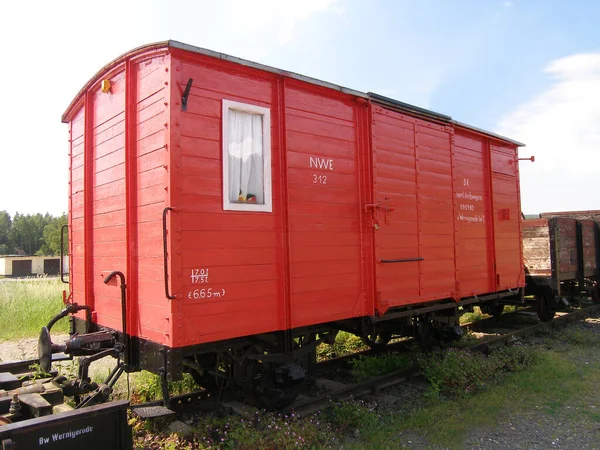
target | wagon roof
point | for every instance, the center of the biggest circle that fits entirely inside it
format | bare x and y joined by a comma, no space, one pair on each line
373,97
579,214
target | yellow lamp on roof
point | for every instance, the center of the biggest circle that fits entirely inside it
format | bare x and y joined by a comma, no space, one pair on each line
105,86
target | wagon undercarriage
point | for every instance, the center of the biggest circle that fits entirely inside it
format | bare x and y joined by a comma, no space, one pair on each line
39,407
266,369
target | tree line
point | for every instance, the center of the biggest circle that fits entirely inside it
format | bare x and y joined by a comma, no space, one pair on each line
32,234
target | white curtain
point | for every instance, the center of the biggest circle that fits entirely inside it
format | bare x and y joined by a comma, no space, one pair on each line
246,157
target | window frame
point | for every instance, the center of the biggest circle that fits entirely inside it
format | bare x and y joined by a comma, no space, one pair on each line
228,205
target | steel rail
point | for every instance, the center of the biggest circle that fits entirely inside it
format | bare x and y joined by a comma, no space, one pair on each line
557,322
374,385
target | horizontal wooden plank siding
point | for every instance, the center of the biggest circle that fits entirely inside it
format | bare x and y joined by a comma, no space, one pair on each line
413,191
152,166
588,245
506,216
239,252
536,248
565,237
324,206
473,211
368,208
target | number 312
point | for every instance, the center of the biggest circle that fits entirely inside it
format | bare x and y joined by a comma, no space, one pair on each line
319,179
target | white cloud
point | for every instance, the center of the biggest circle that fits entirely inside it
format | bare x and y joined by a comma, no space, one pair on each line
277,16
561,127
57,53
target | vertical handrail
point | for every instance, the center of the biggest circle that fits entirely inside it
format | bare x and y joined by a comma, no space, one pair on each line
166,267
62,246
125,340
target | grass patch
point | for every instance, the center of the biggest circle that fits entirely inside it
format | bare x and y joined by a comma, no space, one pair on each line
372,366
558,378
467,340
548,386
274,431
536,381
345,344
457,372
145,387
260,431
472,316
28,305
357,419
580,336
325,429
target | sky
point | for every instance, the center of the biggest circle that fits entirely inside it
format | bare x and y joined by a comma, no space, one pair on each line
527,69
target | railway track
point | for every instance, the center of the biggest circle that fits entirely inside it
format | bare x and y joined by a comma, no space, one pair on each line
327,388
492,333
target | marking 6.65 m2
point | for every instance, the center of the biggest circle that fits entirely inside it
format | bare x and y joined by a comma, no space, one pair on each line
206,293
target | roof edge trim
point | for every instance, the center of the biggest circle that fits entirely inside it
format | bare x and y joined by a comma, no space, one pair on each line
373,97
255,65
489,133
398,105
107,67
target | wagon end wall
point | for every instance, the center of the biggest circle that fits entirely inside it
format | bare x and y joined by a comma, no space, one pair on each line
536,248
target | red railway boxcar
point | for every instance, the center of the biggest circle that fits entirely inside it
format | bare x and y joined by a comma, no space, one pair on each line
587,252
250,211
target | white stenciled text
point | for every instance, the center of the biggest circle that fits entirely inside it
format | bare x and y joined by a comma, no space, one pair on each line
320,163
197,294
199,276
469,205
316,162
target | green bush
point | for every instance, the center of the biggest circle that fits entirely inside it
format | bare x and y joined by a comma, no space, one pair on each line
347,416
580,336
264,431
473,316
345,344
146,386
458,372
372,366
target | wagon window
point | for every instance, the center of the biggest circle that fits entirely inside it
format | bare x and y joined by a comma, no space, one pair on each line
246,157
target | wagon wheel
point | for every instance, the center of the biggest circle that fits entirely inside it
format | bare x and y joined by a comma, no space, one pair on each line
203,378
266,390
494,310
215,371
596,294
544,306
425,334
376,341
309,360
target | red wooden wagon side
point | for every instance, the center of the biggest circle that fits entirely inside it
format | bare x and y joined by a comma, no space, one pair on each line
252,210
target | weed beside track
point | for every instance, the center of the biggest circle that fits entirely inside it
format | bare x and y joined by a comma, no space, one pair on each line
466,402
539,392
27,305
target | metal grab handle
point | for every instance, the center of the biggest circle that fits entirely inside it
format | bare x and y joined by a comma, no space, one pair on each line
164,216
401,260
125,339
62,245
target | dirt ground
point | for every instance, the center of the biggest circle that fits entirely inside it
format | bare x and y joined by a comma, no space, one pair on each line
24,348
563,428
569,426
27,349
572,425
